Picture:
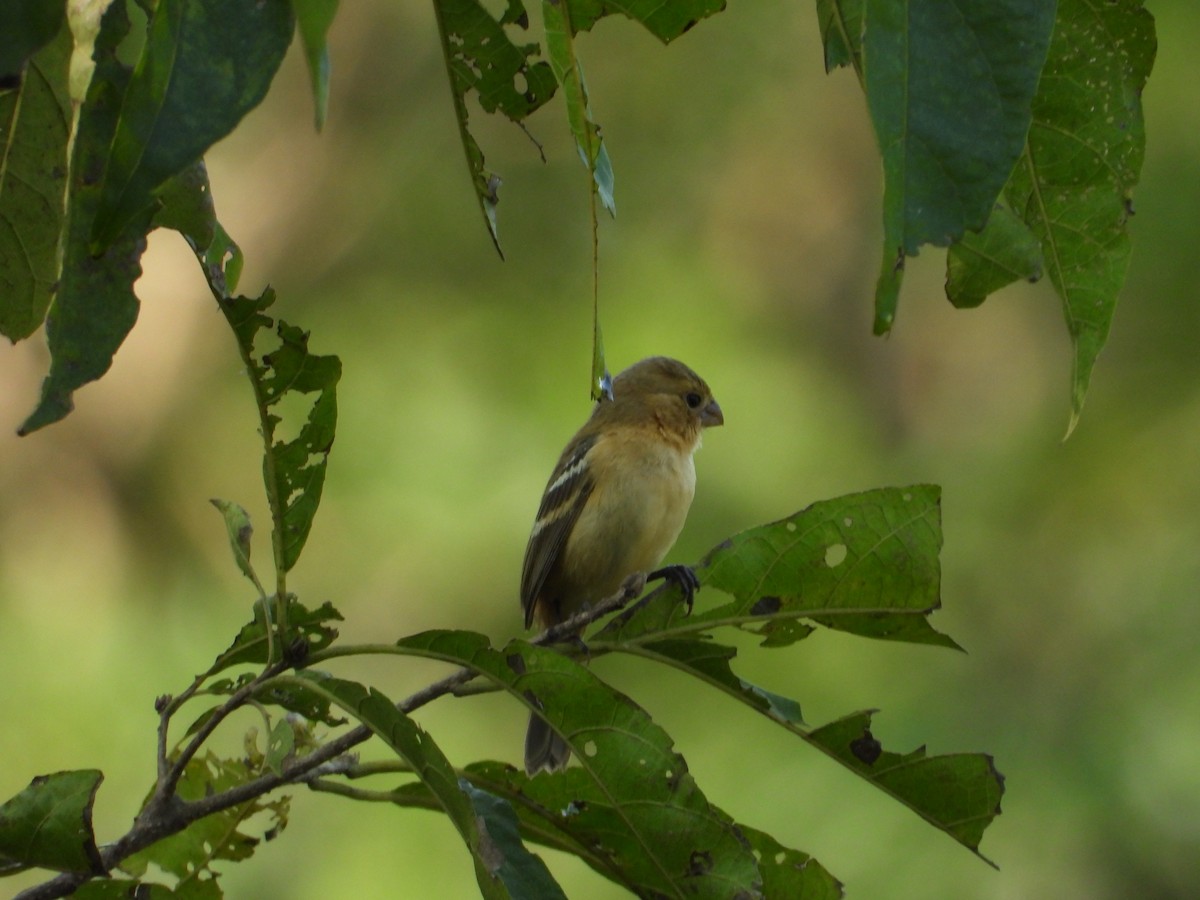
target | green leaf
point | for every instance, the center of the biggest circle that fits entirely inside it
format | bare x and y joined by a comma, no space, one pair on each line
841,24
187,207
281,745
937,786
49,824
949,88
524,874
1083,157
790,873
294,471
958,793
313,18
980,264
189,854
481,57
250,645
125,889
94,306
35,121
204,65
237,524
25,27
497,861
648,816
666,21
560,47
865,563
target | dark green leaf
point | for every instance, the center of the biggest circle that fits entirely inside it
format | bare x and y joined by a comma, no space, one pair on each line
35,121
980,264
294,470
958,793
481,57
223,835
25,27
949,88
250,646
524,874
94,306
1084,155
205,64
313,18
649,818
49,824
493,863
124,889
666,21
865,563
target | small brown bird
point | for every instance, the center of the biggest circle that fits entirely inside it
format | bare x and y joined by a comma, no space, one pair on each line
614,505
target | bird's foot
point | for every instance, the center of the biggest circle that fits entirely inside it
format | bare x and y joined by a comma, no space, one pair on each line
684,577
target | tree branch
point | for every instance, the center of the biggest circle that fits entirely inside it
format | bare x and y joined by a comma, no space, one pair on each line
165,814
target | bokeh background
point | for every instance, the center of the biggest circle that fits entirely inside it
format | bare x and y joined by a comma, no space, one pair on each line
748,194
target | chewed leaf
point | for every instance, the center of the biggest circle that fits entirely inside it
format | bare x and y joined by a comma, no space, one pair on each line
237,524
49,824
865,563
666,21
958,793
295,469
646,811
1004,252
481,57
250,646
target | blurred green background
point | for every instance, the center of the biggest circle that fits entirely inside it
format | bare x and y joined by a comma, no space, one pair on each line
746,242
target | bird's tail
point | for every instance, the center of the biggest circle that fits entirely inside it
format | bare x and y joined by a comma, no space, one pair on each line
544,749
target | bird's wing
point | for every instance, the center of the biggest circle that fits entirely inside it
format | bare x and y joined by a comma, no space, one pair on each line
566,494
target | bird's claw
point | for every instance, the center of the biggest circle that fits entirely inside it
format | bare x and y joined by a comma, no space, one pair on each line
683,576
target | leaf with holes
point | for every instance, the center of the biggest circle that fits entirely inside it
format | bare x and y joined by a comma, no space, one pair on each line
505,76
223,835
250,645
294,470
865,563
649,817
1083,157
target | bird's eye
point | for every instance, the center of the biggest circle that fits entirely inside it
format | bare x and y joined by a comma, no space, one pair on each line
693,400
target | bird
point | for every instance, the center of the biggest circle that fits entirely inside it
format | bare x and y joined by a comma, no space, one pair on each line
613,506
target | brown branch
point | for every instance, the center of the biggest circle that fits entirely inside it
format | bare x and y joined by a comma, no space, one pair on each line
165,814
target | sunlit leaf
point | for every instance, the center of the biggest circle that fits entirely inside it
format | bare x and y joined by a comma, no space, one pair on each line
49,824
949,88
35,121
204,65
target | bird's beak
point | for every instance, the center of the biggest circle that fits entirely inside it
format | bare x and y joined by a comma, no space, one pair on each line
711,415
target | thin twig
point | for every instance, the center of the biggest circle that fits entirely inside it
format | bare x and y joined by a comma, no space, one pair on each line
165,814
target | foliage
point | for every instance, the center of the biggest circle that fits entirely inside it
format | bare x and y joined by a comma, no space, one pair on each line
1010,132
